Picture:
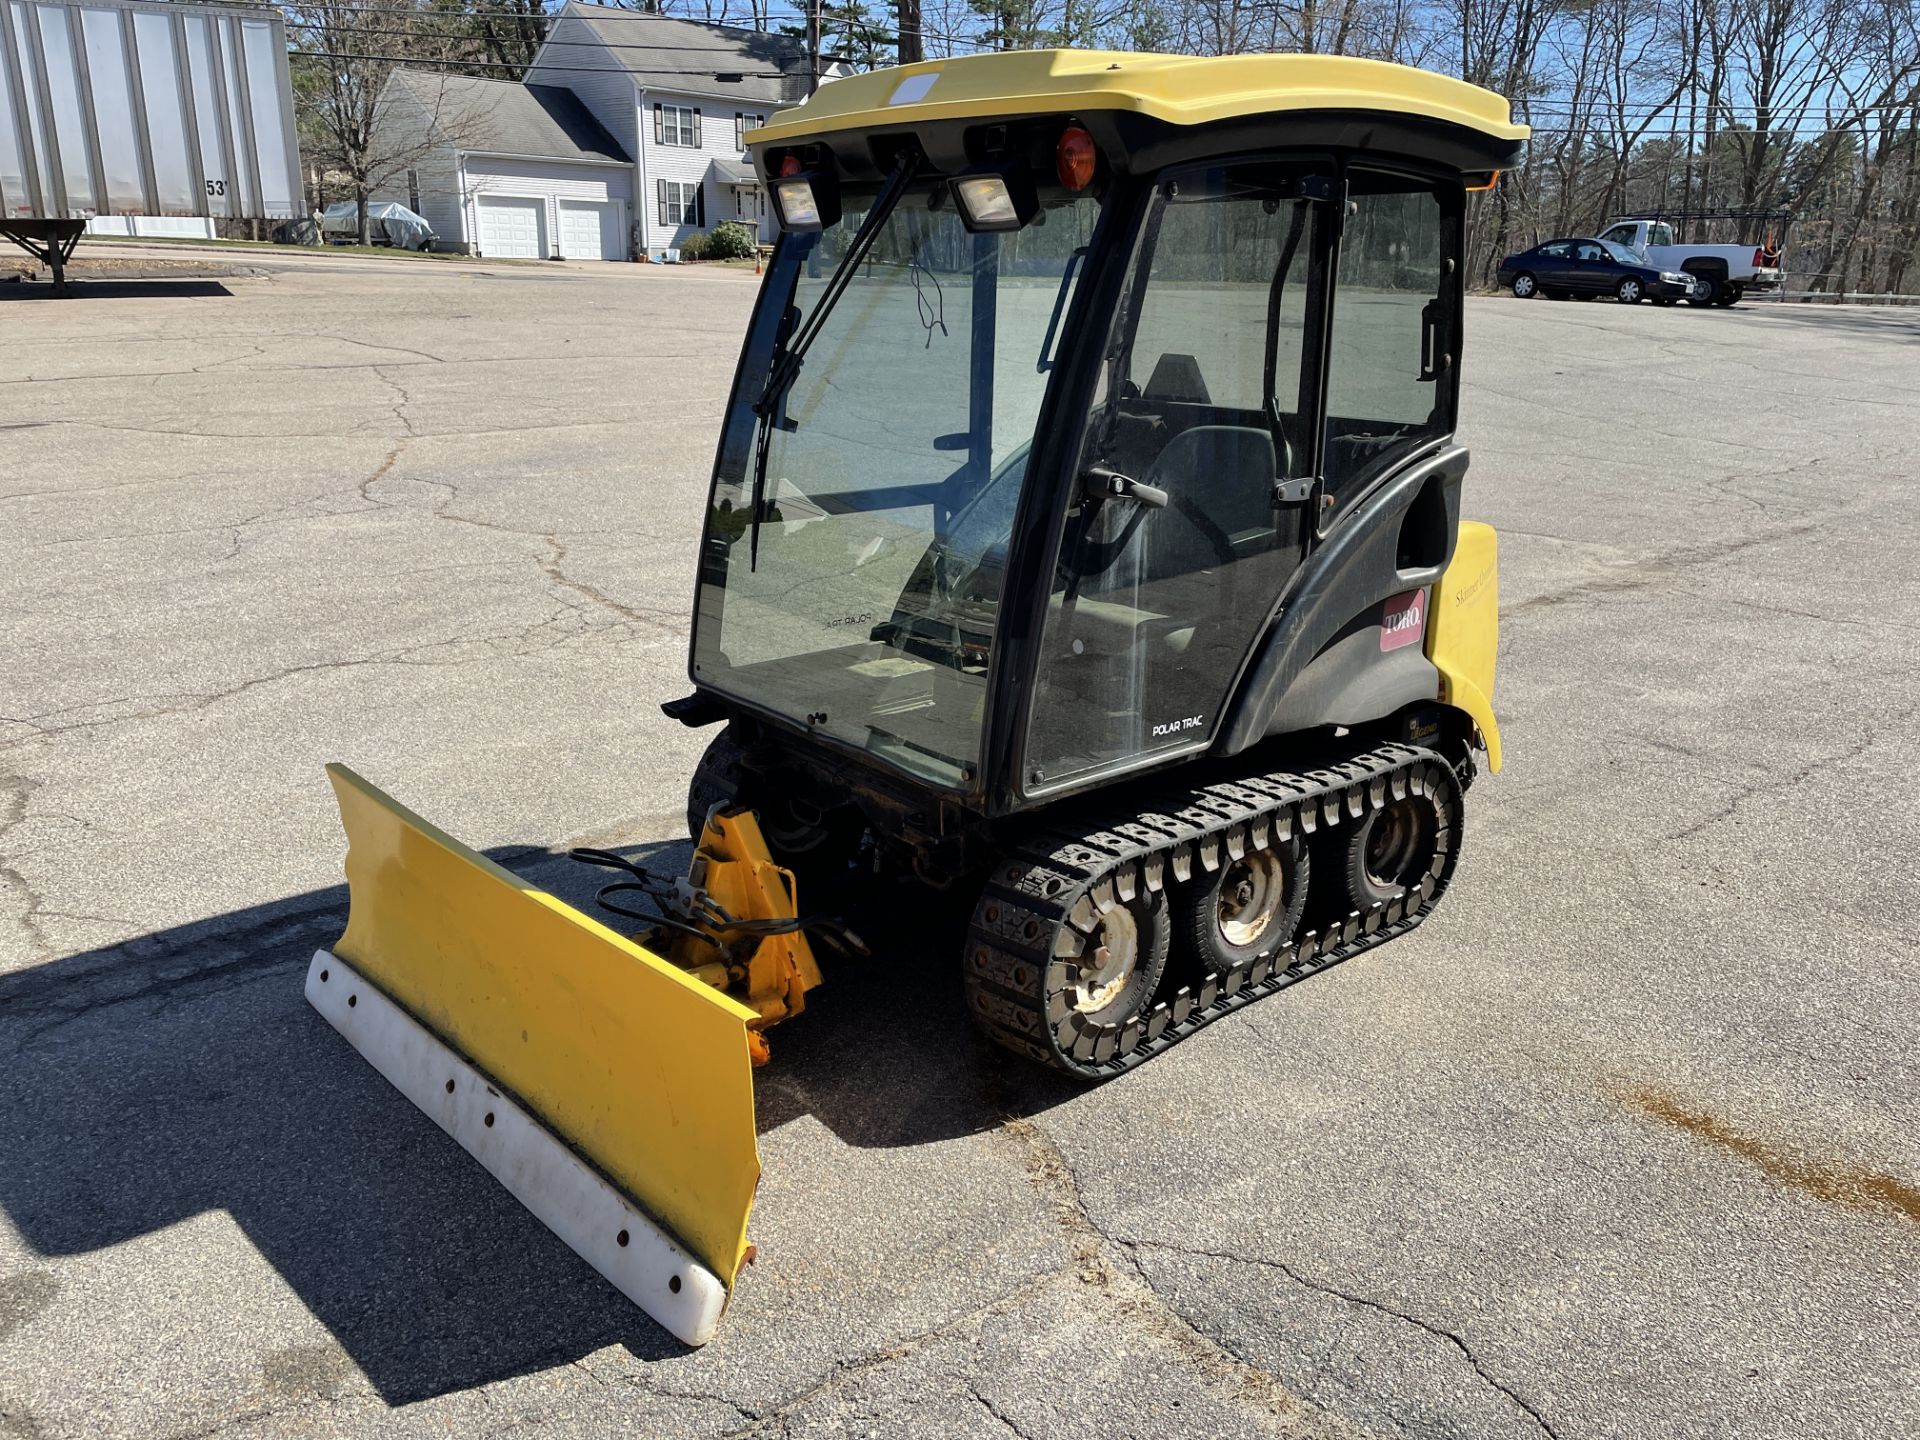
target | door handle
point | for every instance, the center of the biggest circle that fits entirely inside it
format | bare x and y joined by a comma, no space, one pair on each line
1104,484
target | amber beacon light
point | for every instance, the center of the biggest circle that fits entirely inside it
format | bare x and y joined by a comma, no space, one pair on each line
1075,157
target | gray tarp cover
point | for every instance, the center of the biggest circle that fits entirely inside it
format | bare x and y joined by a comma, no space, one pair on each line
387,220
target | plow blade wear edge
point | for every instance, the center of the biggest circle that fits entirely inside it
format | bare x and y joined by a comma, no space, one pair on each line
603,1063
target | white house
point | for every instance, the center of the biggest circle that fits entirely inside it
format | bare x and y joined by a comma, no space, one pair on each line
626,137
501,168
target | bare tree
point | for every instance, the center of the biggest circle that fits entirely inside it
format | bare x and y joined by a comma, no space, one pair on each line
355,119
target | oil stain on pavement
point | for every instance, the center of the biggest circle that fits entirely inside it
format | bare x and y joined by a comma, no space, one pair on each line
1836,1183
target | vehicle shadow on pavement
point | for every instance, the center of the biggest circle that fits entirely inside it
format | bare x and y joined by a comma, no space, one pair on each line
1886,322
147,1082
82,289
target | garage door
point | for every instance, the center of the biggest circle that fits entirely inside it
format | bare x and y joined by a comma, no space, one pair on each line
512,228
590,230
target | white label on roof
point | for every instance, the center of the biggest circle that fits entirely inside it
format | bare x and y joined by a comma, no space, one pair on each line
913,89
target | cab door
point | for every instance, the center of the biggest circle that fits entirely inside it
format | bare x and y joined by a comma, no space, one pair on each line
1194,481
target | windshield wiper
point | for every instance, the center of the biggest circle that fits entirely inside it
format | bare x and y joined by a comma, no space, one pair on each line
786,364
1045,362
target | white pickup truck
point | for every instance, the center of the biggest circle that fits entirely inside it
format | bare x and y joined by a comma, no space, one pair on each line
1721,273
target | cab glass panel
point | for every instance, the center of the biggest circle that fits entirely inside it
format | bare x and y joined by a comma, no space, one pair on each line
1390,372
1207,403
861,597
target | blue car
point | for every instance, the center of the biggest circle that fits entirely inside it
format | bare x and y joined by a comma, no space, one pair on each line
1587,268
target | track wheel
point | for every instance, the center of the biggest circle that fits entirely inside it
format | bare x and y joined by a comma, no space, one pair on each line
1404,840
1122,962
1247,908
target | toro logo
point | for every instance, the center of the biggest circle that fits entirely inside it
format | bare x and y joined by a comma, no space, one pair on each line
1403,620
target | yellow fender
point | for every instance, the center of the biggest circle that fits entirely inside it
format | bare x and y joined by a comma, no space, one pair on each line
610,1091
1463,639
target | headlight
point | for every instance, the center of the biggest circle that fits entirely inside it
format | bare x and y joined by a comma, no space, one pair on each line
1674,277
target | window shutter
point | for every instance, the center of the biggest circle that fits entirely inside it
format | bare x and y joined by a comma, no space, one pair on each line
659,131
700,202
739,133
663,201
696,129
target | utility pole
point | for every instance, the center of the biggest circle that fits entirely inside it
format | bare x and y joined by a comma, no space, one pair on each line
911,48
813,46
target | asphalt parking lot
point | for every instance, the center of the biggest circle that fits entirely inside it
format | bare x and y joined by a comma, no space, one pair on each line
1625,1141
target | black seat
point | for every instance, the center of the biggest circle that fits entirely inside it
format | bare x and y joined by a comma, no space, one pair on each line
1219,481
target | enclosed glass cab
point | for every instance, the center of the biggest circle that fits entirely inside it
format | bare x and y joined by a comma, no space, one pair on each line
1026,447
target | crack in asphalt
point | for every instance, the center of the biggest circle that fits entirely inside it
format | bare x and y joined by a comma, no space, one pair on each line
648,1386
444,510
1532,402
218,367
399,406
1323,1287
1878,625
15,791
672,625
1131,1291
852,1367
995,1411
1773,785
550,567
137,970
186,702
387,462
364,344
1659,565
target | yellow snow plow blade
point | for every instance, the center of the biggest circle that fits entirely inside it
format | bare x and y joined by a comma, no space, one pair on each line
610,1091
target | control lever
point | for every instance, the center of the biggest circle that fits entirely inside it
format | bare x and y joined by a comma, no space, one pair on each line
1105,484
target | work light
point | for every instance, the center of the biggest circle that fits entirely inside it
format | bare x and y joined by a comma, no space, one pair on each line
798,209
1002,198
805,199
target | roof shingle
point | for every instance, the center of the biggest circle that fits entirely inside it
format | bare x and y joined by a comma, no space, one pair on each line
665,53
504,117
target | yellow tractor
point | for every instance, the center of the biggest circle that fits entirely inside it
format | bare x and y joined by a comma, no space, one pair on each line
1084,542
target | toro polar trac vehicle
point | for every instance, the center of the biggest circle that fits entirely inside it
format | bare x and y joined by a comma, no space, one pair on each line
1084,537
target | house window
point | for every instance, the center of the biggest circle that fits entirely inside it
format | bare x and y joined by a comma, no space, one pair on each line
676,125
681,203
743,122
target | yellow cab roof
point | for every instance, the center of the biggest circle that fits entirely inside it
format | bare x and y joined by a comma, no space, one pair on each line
1176,89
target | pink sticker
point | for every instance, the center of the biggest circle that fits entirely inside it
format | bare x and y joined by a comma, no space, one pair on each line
1403,620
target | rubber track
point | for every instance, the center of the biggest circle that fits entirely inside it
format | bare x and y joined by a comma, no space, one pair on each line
1045,898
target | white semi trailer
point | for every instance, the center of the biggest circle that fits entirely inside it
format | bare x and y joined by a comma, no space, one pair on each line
140,107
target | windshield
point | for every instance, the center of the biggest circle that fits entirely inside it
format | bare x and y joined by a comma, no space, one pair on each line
1620,253
893,469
